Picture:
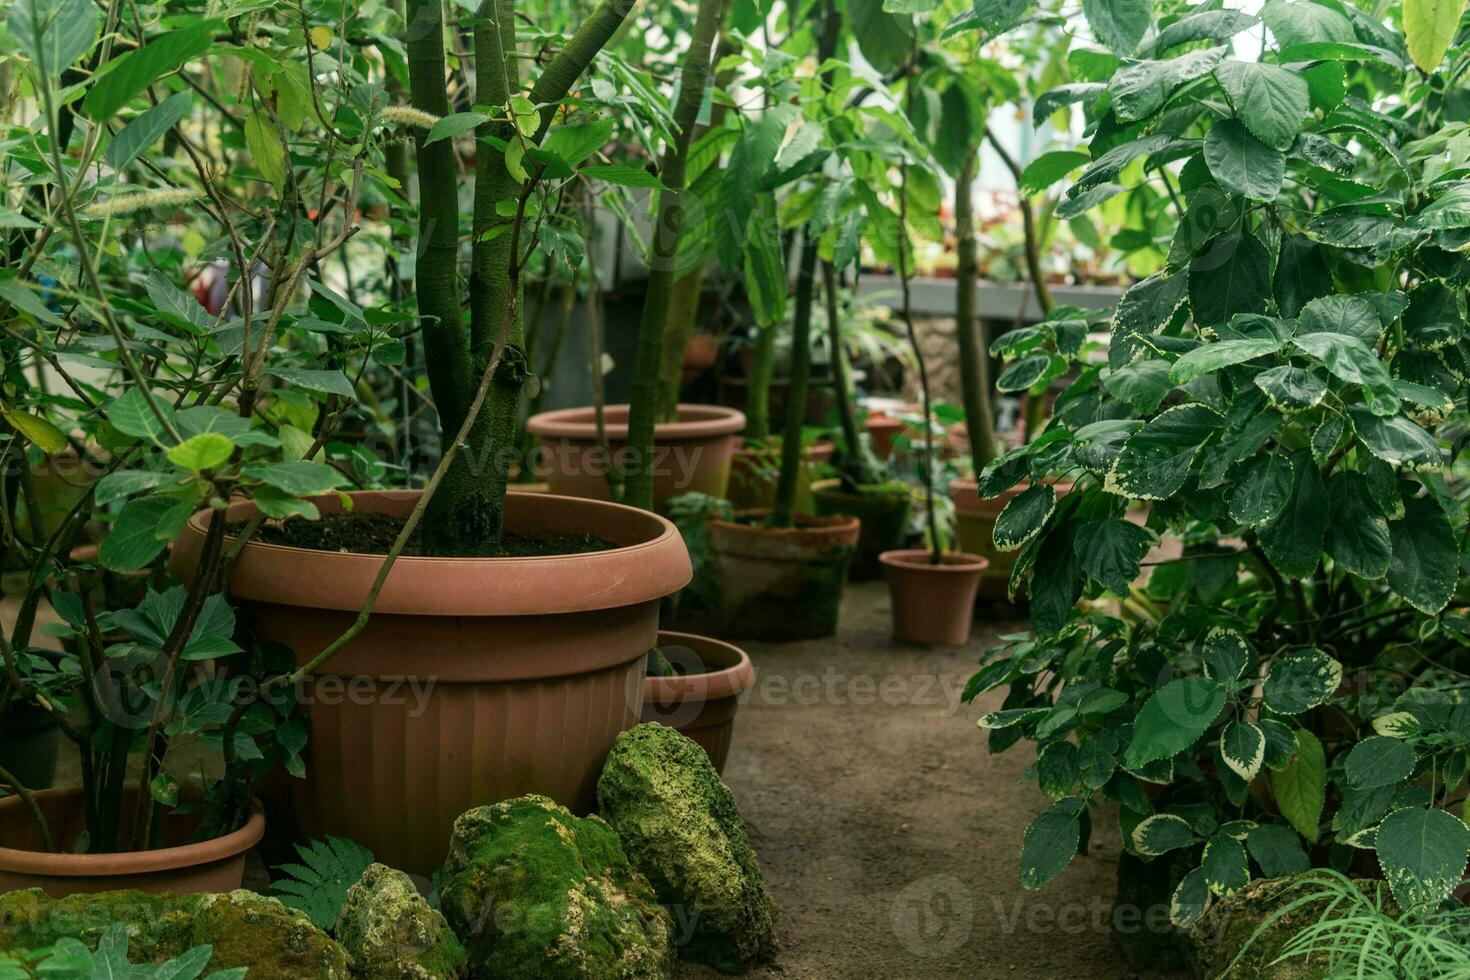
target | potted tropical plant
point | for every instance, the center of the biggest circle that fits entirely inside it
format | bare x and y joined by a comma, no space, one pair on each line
1288,394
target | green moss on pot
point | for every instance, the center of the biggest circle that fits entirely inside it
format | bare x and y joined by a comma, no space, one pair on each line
539,894
390,931
679,825
246,930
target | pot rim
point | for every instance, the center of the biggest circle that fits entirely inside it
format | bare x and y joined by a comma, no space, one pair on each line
917,560
834,523
645,571
695,422
726,682
20,861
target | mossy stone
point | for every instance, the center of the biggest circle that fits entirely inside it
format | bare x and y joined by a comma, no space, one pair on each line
246,930
1223,932
679,826
391,933
539,894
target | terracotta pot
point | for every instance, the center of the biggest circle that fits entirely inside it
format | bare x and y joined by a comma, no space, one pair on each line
933,604
883,513
975,529
883,429
754,473
207,866
701,702
691,455
700,354
782,583
520,672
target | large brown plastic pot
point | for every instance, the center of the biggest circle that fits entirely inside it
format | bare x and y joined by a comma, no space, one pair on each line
782,583
527,669
206,866
701,702
754,473
691,455
932,604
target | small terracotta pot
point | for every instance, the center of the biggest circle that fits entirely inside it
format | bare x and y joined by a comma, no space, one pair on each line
700,354
883,513
691,455
782,583
755,472
475,680
975,532
207,866
932,604
883,429
701,702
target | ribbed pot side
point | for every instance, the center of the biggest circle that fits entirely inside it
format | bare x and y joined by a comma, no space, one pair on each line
475,680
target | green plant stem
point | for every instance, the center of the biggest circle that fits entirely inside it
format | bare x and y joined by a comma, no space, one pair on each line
855,459
758,385
974,358
29,800
931,518
663,257
783,511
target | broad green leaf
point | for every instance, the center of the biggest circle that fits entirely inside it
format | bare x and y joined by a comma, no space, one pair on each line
1243,747
1395,440
1162,833
267,151
1120,24
1062,96
1271,100
1278,850
147,128
1422,852
1300,786
1291,389
1280,742
1056,581
623,174
53,33
1173,719
1050,841
1429,27
134,542
1303,22
1140,88
42,434
1155,461
1226,654
202,452
1301,681
1024,517
279,504
1056,769
1191,899
1049,168
1357,537
1225,865
130,414
454,124
21,296
1030,371
1263,489
1242,164
324,382
1351,316
297,476
1142,384
765,273
1146,307
1379,761
573,144
1293,539
1450,209
1207,25
1348,358
1110,551
125,483
1433,319
1231,276
128,75
1425,555
1210,358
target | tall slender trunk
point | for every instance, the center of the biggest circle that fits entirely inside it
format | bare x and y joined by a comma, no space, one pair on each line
974,358
854,459
758,385
663,255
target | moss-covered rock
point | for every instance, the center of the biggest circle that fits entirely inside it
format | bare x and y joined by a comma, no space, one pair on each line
539,894
679,825
1224,931
245,929
391,933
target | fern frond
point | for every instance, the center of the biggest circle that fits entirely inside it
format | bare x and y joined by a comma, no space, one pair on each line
318,885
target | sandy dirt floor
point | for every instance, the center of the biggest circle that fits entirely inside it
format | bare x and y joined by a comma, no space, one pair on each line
889,837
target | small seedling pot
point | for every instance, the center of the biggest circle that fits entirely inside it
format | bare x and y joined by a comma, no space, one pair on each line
782,584
932,604
701,700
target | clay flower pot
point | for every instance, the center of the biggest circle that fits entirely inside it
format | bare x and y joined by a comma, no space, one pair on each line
475,680
883,512
700,354
883,429
206,866
782,583
755,471
700,702
691,455
932,604
975,532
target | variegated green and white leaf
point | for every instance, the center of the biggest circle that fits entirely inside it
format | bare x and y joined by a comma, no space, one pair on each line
1161,833
1243,747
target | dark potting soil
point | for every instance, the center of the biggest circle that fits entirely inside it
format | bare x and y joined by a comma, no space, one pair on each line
374,534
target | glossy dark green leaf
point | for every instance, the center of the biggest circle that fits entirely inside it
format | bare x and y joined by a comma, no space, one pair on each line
1278,850
1395,439
1232,275
1173,719
1271,100
1423,853
1293,540
1301,681
1263,489
1301,274
1155,461
1140,88
1378,761
1110,551
1354,316
1357,538
1426,555
1120,24
1291,389
1225,865
1050,841
1024,517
